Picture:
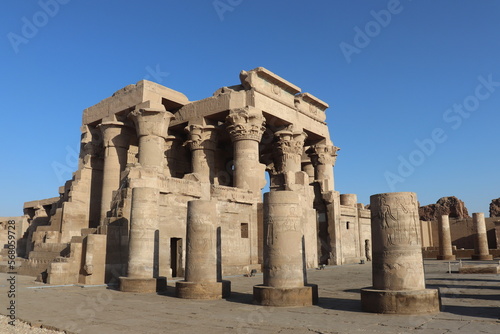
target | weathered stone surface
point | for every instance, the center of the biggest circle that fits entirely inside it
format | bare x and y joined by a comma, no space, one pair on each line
451,206
495,207
397,267
147,151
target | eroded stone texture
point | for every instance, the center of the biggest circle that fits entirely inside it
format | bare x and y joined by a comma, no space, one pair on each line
495,207
445,246
451,206
146,151
284,270
397,266
481,241
201,255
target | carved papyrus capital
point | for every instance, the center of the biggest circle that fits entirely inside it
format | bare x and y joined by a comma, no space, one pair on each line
201,137
322,154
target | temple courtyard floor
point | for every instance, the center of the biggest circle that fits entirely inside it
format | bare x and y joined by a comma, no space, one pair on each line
470,304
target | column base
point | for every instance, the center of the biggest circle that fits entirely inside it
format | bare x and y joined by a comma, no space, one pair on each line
139,285
205,290
482,257
401,302
447,257
271,296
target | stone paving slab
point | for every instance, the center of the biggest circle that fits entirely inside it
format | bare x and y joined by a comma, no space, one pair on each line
471,304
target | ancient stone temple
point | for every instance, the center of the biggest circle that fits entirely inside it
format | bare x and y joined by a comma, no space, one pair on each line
147,151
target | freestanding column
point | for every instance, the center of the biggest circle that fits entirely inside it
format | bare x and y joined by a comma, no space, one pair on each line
142,240
284,269
481,242
323,158
202,142
201,255
445,247
115,142
397,266
246,127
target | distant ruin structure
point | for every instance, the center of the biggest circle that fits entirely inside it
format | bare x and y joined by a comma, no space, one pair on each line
147,151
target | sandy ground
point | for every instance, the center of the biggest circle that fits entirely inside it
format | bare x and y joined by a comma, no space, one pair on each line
471,304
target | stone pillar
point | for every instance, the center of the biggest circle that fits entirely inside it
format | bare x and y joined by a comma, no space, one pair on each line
115,142
288,151
143,240
202,143
308,168
285,282
481,242
397,266
201,254
323,158
246,127
349,200
152,129
445,247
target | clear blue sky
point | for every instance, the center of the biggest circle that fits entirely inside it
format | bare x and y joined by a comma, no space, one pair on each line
389,82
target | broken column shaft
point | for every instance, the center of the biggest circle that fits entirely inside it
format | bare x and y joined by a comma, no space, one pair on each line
284,269
445,247
201,255
397,267
481,243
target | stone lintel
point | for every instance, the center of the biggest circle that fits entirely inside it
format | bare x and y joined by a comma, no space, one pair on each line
41,202
311,106
130,96
251,77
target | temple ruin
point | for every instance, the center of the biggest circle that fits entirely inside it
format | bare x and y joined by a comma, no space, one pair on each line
147,151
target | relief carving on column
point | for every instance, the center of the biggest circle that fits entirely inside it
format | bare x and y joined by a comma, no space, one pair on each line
322,154
245,124
201,137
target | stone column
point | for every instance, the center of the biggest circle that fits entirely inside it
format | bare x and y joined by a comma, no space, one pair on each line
284,269
152,129
481,242
397,266
445,247
115,142
201,254
202,143
246,127
323,158
142,241
349,199
288,151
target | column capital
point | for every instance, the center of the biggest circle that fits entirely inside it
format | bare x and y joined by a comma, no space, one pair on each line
114,134
323,154
151,121
201,137
288,147
246,124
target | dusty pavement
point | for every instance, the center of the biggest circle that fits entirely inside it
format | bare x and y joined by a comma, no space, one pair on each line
471,304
